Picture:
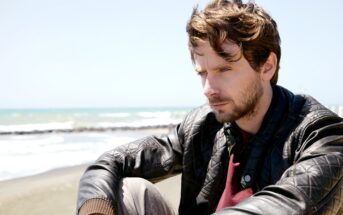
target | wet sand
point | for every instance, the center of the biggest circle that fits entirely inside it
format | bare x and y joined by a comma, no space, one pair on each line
55,192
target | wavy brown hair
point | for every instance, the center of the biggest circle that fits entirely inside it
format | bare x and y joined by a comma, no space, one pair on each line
246,24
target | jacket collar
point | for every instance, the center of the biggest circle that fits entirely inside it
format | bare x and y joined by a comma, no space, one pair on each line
259,143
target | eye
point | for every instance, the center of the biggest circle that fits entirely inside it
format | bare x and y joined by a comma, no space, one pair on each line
201,73
225,69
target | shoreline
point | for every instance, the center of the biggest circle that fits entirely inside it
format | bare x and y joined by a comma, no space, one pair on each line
90,129
55,192
31,155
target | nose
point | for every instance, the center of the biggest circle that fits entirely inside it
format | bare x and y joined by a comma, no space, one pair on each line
209,86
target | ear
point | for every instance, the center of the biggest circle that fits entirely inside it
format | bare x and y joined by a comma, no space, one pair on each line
269,67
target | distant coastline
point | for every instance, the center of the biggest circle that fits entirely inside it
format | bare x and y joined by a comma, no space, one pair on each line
44,121
68,137
88,129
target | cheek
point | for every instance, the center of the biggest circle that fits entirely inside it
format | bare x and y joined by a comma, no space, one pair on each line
229,82
236,85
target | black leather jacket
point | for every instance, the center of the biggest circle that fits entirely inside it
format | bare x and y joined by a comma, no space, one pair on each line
294,163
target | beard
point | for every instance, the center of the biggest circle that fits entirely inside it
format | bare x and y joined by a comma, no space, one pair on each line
246,108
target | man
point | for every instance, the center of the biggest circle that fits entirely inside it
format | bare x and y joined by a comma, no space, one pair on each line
255,148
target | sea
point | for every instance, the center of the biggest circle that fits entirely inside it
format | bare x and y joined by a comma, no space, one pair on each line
33,141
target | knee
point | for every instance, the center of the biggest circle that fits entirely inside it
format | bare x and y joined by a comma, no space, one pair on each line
139,196
134,184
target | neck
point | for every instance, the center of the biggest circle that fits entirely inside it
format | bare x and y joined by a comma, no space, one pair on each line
252,123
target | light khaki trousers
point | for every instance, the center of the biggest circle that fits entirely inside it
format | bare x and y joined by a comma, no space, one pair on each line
138,196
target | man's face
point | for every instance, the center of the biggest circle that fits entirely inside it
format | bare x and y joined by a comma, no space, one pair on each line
233,89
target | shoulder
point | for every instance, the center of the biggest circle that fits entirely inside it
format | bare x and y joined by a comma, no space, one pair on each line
313,111
199,115
200,118
305,108
314,116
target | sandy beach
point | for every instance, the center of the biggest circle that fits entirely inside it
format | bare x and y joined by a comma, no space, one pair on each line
55,192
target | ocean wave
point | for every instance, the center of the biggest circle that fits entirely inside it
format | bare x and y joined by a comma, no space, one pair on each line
114,115
25,157
161,114
28,146
97,125
37,127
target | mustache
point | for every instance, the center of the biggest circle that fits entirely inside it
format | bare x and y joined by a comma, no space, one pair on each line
218,99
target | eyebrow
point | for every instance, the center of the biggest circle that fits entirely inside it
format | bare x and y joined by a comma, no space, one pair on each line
217,68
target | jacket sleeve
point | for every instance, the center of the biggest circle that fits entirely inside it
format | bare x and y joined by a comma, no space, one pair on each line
312,185
152,158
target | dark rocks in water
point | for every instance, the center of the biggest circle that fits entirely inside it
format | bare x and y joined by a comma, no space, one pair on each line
86,129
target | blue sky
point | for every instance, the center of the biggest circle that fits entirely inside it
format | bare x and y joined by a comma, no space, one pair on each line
102,53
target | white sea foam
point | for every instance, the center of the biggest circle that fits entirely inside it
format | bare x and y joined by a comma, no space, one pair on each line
114,115
29,145
162,114
36,154
80,114
37,127
15,115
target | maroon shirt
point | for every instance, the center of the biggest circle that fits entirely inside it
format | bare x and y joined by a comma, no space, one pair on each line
234,192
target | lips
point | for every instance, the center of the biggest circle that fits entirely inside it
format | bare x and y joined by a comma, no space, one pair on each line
218,105
217,102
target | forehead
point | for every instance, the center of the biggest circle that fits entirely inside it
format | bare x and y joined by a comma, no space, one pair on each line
205,57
